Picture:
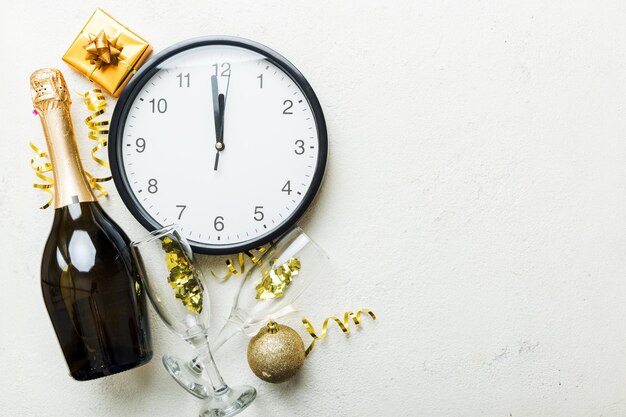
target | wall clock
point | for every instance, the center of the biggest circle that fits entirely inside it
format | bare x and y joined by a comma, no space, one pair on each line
223,136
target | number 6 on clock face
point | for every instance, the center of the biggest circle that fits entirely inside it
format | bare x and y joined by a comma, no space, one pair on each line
223,136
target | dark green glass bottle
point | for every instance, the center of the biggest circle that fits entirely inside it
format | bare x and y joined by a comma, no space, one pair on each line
89,280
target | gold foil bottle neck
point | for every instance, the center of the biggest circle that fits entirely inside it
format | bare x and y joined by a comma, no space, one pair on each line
48,89
52,100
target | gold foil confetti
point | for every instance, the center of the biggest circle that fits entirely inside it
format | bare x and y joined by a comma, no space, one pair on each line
344,326
98,131
276,280
182,278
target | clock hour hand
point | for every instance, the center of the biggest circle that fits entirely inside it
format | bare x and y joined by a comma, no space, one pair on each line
219,142
220,133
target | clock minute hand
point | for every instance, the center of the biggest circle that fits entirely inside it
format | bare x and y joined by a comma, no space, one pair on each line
222,103
216,106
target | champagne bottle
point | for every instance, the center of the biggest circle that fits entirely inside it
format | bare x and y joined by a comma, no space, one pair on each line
89,280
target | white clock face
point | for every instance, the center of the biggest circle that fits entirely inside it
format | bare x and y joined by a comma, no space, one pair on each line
222,141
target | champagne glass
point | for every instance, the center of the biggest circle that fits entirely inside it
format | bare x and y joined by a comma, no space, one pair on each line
267,292
177,292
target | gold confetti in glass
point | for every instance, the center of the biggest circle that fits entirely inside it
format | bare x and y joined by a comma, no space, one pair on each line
177,292
267,292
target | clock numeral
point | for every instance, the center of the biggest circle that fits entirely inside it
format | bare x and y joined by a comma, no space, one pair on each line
219,223
225,67
152,186
182,208
258,214
260,77
299,147
287,187
141,145
180,79
288,105
160,106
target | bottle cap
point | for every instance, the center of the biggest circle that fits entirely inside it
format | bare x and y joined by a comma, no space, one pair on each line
48,87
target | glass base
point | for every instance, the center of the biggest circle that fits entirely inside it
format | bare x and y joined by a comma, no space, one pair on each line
228,401
189,379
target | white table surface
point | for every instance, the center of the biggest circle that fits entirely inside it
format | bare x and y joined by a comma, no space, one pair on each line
474,199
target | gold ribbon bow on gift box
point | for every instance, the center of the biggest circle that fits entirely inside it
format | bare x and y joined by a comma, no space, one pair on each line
103,50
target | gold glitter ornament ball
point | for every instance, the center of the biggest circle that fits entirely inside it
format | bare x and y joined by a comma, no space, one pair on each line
276,353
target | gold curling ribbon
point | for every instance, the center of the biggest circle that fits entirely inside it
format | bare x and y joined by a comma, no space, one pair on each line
41,169
344,326
232,270
255,258
98,131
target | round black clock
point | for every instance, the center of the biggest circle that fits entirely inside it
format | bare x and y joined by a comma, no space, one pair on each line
223,136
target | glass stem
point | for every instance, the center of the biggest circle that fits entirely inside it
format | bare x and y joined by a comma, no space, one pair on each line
230,329
209,369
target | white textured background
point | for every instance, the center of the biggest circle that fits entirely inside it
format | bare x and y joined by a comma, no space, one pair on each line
474,199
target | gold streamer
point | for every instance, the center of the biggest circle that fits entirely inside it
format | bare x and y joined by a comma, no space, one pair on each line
96,103
232,270
41,169
98,131
344,326
255,258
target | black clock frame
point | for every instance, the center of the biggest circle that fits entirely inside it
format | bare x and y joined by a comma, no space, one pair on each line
143,75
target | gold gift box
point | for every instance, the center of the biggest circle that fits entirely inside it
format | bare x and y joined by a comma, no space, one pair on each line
107,52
